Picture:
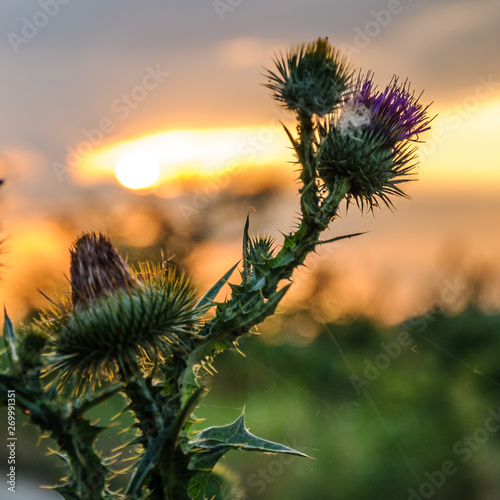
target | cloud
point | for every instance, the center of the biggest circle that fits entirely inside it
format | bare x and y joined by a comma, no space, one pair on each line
64,80
444,47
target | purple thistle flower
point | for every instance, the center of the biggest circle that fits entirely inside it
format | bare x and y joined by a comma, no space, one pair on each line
369,145
396,114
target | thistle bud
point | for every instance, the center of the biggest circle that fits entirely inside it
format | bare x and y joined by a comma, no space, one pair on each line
119,317
96,269
310,79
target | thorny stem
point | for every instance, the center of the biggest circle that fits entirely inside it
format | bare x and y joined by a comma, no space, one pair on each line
299,244
317,216
153,420
143,402
161,421
305,153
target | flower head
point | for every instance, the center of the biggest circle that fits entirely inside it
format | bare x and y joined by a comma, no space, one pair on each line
396,113
312,78
370,142
119,317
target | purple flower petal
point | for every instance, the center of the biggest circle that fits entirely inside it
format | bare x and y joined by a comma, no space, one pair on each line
396,112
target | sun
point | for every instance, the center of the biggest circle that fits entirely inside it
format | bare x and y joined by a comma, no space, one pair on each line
137,170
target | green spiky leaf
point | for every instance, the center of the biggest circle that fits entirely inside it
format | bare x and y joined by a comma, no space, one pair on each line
257,284
212,293
147,463
269,306
212,443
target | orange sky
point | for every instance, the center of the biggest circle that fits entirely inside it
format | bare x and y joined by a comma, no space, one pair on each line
459,150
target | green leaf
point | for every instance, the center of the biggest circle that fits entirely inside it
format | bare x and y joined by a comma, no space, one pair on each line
212,443
269,306
283,260
212,293
205,460
338,238
247,249
258,284
10,339
197,485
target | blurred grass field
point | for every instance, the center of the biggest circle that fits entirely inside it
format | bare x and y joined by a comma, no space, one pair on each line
427,406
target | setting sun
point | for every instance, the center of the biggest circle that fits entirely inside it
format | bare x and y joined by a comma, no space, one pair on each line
183,156
137,170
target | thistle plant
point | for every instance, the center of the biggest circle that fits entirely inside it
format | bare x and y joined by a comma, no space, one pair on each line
146,333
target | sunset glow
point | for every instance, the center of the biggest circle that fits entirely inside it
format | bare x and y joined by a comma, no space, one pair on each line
447,155
185,154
